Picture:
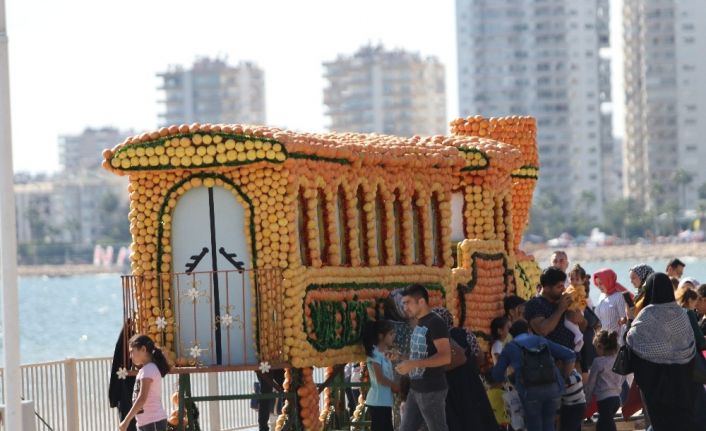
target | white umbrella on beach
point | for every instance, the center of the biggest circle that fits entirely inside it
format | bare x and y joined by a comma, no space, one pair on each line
8,247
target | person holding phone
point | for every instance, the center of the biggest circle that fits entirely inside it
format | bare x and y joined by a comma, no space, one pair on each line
611,307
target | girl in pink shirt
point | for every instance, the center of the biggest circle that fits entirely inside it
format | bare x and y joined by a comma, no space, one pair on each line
147,396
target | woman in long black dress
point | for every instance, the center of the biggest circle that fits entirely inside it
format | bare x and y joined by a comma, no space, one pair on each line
663,350
467,405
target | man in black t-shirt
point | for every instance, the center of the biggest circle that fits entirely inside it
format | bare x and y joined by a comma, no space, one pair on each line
430,352
546,312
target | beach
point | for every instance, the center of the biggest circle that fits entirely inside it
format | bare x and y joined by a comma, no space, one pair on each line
642,252
68,270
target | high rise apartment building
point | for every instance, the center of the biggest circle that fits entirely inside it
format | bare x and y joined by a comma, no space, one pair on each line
548,59
665,101
82,152
386,91
211,91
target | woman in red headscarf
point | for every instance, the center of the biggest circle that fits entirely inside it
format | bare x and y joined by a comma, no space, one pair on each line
611,305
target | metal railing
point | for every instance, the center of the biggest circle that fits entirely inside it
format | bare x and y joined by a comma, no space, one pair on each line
72,395
211,311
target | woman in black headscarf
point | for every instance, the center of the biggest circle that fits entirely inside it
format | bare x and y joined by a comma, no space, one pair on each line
663,348
467,405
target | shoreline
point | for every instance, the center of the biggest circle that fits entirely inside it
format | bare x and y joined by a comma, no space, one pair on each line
67,270
645,252
542,253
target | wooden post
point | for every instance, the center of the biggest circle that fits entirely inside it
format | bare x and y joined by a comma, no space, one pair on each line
71,394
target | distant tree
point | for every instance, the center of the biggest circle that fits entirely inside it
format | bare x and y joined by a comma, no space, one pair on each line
702,191
549,216
626,218
682,179
114,224
37,224
583,219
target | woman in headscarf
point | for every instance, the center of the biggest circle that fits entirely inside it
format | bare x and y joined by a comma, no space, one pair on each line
611,305
467,405
688,282
663,348
638,276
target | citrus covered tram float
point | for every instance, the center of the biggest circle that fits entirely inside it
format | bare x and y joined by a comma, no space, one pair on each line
255,247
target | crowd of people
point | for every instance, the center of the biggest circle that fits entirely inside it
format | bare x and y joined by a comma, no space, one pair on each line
555,361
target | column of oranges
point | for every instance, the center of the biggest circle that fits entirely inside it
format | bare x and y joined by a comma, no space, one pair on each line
521,133
308,394
482,263
478,212
154,289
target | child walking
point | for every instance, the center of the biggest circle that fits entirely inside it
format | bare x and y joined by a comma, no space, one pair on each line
378,336
603,383
147,396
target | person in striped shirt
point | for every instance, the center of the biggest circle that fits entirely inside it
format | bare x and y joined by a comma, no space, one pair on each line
573,403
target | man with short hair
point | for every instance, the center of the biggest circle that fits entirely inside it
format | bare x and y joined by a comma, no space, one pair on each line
546,315
546,312
430,351
560,260
675,268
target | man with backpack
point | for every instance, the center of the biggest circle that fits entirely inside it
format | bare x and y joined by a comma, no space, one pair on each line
538,381
548,315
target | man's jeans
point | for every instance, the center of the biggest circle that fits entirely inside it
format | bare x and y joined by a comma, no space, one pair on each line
540,404
425,408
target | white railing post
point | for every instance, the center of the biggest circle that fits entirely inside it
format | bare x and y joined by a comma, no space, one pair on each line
214,407
71,394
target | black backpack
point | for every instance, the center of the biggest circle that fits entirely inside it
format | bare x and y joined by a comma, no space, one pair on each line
537,366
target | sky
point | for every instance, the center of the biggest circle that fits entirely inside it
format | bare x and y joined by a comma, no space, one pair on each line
87,63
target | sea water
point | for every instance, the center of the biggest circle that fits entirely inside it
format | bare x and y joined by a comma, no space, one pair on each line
69,317
81,316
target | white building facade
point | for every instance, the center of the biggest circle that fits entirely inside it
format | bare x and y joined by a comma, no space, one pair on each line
211,91
548,59
65,209
82,152
386,91
665,101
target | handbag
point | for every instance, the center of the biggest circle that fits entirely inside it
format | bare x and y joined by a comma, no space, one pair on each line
497,403
698,372
458,356
623,361
513,408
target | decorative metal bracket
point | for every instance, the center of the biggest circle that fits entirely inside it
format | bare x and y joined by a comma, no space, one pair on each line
240,266
195,260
